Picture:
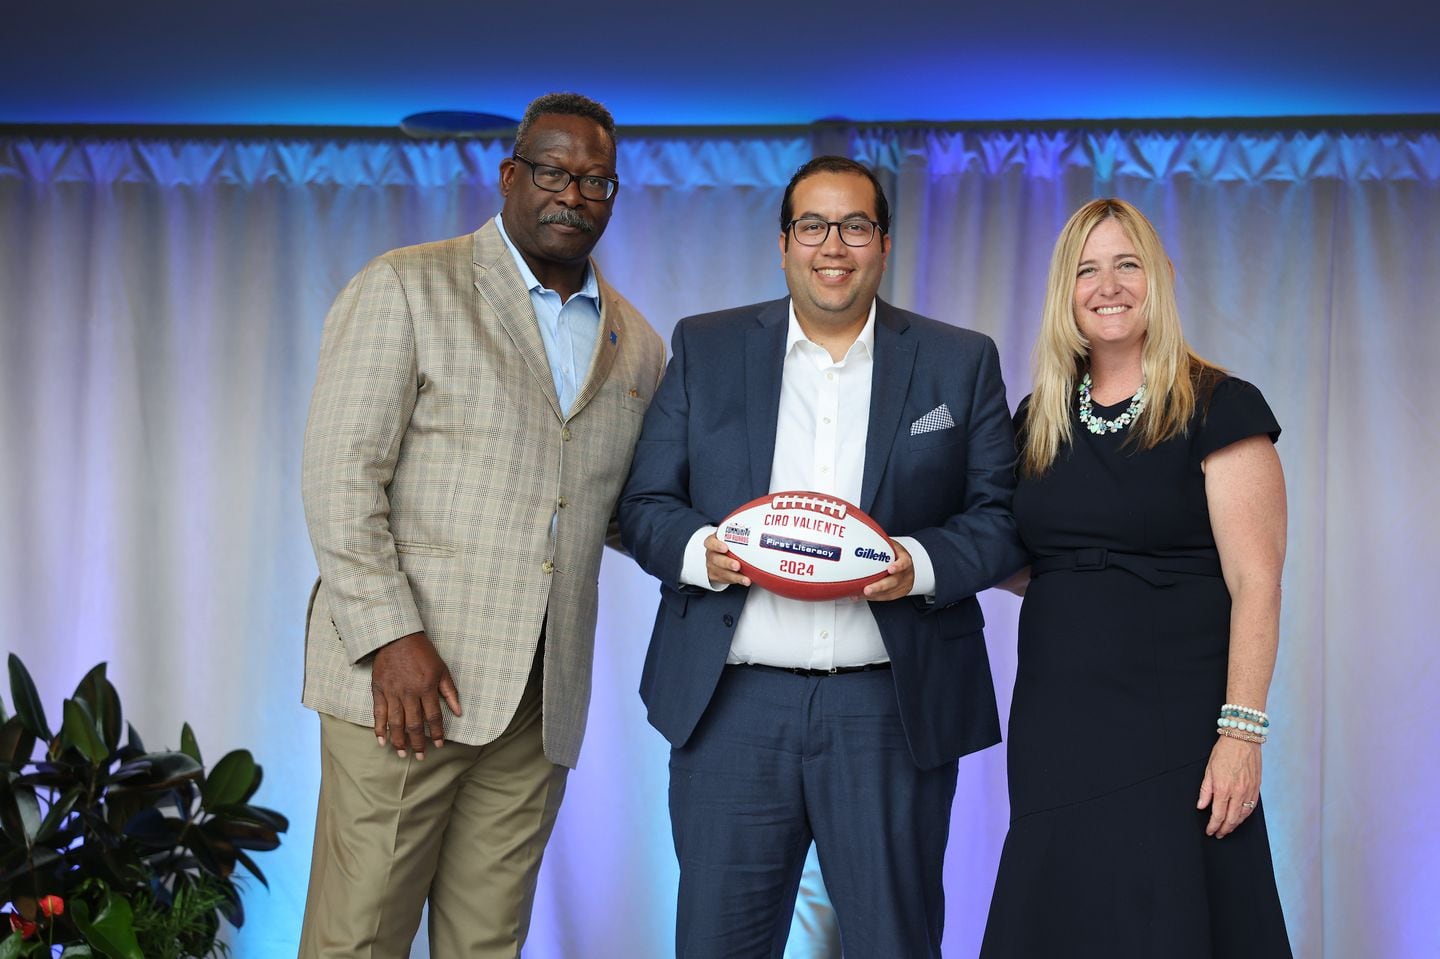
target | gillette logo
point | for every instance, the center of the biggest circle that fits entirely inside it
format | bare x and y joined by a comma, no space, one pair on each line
879,556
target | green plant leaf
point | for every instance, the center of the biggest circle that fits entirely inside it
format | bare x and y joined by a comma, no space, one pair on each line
27,700
168,769
256,814
96,692
134,769
249,864
229,781
87,687
153,828
55,776
16,743
160,771
20,813
10,946
188,745
81,732
112,930
246,835
234,907
254,785
39,859
59,809
121,805
77,952
209,859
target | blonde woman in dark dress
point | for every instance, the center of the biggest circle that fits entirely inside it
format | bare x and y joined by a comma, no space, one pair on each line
1152,503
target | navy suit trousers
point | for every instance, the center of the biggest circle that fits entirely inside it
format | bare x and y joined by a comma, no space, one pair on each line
779,759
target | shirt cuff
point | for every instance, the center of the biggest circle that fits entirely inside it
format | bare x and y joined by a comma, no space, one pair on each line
693,571
924,569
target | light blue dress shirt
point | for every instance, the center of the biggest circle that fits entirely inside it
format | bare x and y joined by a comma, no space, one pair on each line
568,329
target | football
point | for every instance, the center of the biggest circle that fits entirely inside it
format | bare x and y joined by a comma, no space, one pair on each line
807,545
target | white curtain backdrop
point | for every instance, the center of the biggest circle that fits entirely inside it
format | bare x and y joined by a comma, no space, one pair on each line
160,310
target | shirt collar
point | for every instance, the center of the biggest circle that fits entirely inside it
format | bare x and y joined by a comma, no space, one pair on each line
588,286
794,335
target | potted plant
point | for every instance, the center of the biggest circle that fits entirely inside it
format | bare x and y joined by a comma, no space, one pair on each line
108,849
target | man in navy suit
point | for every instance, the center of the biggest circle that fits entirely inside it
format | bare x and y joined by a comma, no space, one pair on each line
838,721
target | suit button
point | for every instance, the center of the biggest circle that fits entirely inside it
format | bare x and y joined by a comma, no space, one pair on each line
562,502
565,434
728,620
548,567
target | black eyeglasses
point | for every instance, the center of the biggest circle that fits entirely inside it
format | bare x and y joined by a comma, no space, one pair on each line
555,180
813,231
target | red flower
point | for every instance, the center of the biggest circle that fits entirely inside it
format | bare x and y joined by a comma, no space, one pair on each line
51,906
26,929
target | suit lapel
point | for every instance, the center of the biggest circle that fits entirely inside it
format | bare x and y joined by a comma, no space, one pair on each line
889,383
607,344
500,284
764,367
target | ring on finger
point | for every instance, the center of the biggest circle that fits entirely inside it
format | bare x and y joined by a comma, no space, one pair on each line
1248,804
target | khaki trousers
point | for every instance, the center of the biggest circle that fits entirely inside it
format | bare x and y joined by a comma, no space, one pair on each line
465,828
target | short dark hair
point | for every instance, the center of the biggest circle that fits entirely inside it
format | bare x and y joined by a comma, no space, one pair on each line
834,164
564,104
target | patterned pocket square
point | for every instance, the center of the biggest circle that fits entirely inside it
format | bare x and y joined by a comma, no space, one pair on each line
937,419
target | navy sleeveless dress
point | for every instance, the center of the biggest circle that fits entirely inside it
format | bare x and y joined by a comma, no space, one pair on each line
1124,634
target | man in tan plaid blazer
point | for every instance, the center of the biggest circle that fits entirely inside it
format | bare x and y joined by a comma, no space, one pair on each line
477,403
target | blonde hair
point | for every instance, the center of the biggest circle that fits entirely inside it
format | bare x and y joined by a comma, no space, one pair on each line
1173,372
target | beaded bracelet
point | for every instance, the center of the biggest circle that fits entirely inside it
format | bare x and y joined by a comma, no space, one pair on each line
1259,729
1243,722
1244,718
1232,709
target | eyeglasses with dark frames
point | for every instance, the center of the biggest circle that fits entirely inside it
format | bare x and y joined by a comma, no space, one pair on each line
555,180
813,231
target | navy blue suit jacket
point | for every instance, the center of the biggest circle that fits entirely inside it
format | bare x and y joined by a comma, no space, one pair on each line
707,446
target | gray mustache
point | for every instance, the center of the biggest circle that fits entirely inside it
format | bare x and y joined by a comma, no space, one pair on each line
568,217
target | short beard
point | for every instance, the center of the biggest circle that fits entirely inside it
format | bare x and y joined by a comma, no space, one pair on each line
568,217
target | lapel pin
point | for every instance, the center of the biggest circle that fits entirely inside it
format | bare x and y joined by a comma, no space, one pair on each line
634,394
612,336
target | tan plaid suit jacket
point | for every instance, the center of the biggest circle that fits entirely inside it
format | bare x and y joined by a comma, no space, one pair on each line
436,458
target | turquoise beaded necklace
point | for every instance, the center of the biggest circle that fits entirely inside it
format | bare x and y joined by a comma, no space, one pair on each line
1099,425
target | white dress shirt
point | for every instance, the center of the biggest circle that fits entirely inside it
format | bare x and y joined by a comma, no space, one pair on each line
819,445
